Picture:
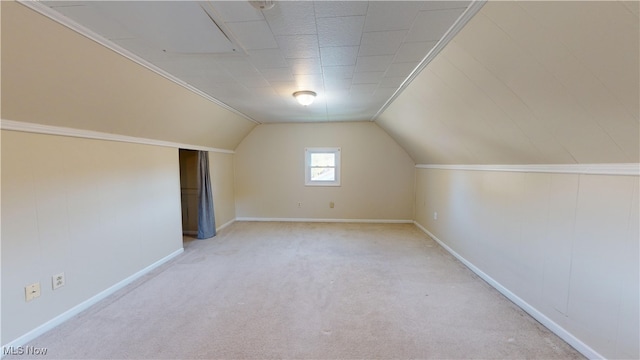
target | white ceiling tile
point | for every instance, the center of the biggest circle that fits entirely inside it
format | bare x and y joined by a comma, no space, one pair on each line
339,8
381,42
193,65
181,26
414,51
368,77
299,46
284,88
143,49
292,18
268,58
229,93
277,74
400,69
391,82
264,92
441,5
363,89
253,35
105,26
312,113
201,82
390,15
432,25
337,95
340,31
382,94
309,82
334,84
338,55
338,72
253,82
373,63
305,66
236,11
238,66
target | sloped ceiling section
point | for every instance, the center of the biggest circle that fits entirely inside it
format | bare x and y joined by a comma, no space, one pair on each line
52,75
528,83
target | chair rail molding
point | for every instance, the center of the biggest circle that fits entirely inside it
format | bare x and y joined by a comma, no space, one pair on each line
630,169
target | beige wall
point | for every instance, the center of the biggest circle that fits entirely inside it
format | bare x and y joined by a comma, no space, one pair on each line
221,171
377,174
567,244
54,76
526,82
98,211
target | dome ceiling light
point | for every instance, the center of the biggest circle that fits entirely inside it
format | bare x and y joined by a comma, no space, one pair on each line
305,97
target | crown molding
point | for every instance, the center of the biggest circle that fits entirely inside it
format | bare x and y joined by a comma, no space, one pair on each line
468,13
632,169
12,125
90,34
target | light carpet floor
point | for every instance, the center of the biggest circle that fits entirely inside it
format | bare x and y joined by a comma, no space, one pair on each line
307,290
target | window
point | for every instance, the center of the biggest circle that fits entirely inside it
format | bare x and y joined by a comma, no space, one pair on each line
322,166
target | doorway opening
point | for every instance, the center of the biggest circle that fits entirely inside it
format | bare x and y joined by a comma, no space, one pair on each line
189,193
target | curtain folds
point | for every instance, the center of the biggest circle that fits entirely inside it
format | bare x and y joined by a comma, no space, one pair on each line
206,217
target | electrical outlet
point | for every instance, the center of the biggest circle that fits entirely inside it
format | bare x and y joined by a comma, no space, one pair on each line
435,215
299,204
31,291
331,204
57,280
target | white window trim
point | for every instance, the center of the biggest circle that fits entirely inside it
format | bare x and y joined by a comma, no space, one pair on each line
307,166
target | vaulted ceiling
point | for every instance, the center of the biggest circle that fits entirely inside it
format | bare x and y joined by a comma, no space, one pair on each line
520,83
353,54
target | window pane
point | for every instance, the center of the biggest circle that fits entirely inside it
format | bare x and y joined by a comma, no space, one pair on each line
323,174
323,159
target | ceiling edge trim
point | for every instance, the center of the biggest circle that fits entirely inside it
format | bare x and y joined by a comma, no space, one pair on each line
12,125
469,12
632,169
90,34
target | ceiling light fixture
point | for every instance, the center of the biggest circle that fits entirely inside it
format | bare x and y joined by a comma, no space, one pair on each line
305,97
262,5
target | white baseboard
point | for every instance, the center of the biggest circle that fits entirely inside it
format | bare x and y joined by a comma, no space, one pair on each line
24,339
565,335
195,232
371,221
225,224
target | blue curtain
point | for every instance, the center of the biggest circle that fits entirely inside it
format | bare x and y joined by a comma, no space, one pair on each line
206,218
